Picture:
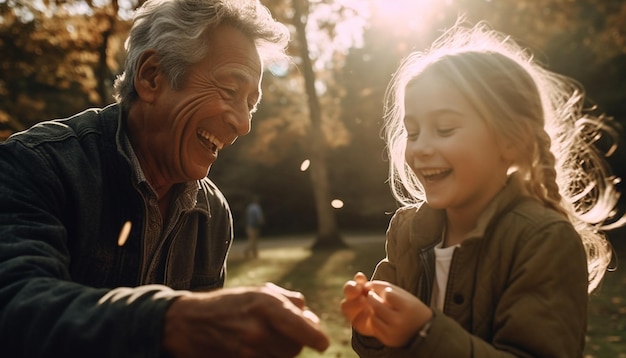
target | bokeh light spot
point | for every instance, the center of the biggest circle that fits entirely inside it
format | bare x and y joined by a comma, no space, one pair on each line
305,165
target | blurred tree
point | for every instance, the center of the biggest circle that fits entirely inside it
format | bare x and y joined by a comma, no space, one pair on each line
327,230
58,58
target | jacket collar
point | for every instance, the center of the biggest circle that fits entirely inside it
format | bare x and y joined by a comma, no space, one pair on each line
427,226
512,191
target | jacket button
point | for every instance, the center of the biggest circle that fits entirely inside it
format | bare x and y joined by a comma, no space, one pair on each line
458,298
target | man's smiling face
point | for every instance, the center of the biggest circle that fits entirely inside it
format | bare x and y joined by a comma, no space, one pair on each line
190,125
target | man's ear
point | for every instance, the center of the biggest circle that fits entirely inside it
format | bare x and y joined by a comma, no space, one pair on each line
148,76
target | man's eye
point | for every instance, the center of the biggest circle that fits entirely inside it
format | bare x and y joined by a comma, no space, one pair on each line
230,92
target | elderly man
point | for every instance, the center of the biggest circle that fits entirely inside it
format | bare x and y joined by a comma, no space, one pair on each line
112,240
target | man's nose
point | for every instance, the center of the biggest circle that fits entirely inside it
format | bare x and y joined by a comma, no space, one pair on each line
241,120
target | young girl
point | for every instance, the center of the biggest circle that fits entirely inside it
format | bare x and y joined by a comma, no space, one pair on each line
495,247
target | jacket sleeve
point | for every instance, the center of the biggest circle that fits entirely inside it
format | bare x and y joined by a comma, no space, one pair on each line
42,312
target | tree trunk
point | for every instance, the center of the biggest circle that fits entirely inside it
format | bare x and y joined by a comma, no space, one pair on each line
103,70
327,231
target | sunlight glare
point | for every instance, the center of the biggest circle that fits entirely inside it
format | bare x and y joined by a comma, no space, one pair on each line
407,14
325,42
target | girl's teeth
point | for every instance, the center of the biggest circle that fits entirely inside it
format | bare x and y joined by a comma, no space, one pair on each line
432,172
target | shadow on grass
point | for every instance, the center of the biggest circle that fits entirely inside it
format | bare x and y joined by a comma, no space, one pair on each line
320,277
330,263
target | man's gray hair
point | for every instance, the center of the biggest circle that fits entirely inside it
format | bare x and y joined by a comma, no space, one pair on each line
176,29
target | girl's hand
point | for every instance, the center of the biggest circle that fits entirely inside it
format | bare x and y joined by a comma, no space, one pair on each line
394,316
355,306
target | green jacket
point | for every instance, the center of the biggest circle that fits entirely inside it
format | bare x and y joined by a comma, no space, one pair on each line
517,285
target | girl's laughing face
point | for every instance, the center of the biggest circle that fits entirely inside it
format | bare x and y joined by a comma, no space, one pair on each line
453,152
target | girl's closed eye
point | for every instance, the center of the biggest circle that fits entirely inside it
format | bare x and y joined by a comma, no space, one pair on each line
447,122
411,129
445,131
412,134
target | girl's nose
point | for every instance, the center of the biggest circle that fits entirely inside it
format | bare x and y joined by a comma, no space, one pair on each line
420,146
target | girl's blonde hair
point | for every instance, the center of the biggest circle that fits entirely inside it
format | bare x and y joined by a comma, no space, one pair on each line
540,112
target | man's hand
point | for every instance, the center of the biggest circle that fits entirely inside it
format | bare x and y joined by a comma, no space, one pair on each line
267,321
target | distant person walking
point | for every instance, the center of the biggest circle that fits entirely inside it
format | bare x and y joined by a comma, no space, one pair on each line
254,222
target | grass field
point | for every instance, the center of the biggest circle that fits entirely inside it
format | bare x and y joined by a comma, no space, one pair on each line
321,275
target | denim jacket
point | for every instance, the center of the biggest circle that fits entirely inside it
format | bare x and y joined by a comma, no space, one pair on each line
66,287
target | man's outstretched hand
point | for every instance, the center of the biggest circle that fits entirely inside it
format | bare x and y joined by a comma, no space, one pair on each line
267,321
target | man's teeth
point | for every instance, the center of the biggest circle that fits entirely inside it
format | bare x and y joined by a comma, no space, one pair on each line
211,138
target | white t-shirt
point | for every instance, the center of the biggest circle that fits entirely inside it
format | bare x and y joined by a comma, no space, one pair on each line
443,258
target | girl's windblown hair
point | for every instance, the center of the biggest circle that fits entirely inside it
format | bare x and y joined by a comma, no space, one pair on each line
542,113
